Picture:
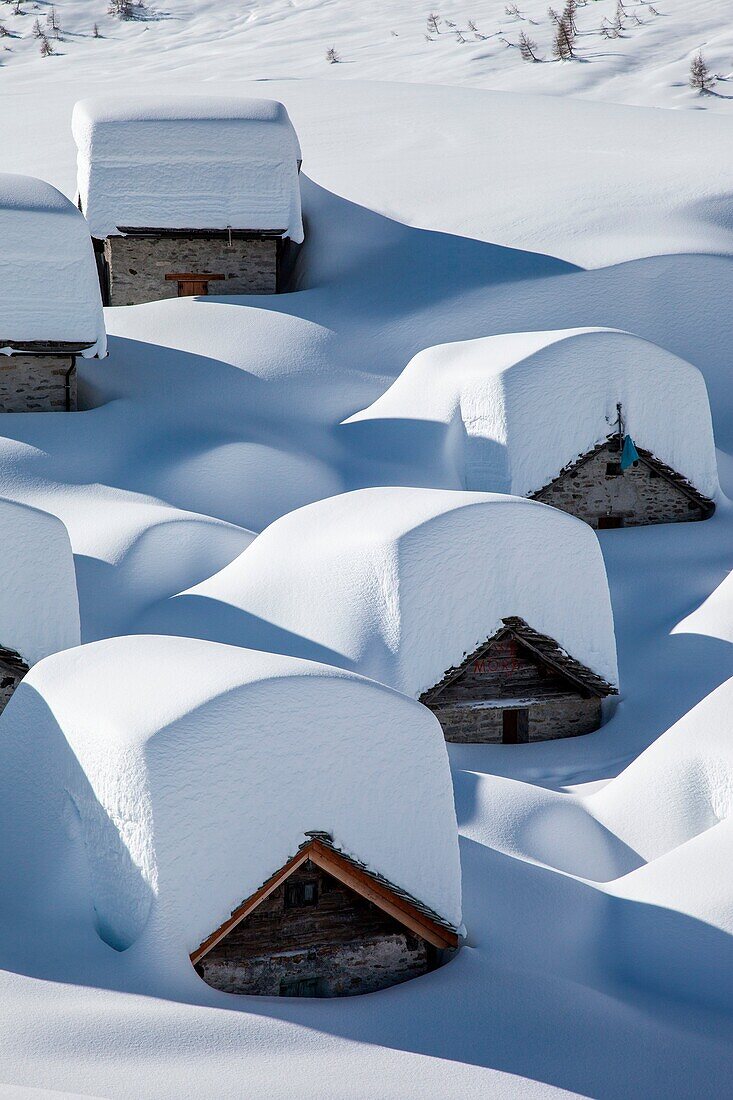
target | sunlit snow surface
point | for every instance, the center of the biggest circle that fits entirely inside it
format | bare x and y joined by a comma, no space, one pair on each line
599,958
217,41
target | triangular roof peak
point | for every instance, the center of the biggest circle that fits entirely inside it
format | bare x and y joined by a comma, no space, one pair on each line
542,647
320,850
648,459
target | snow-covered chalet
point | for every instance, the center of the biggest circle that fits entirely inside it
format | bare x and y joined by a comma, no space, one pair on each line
245,816
492,610
188,195
50,306
597,422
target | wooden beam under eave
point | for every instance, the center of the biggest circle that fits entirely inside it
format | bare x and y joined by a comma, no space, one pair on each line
350,875
381,896
251,903
583,688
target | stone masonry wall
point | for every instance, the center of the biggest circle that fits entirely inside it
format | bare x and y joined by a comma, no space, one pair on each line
344,944
11,673
566,716
341,970
36,383
639,495
138,266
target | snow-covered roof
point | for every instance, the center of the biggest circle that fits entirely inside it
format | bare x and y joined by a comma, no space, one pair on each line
187,162
196,769
531,402
49,288
39,607
399,584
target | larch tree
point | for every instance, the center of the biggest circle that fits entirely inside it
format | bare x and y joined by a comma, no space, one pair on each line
562,47
527,48
700,75
568,15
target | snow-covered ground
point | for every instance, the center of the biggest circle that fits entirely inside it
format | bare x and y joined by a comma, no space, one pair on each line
599,959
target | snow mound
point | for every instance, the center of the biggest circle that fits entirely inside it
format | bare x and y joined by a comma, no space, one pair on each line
49,289
531,402
398,584
681,786
39,609
195,769
671,926
187,162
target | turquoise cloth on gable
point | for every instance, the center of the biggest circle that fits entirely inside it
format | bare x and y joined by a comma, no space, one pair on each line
629,455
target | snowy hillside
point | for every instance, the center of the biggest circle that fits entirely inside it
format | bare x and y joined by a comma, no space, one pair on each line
444,201
644,60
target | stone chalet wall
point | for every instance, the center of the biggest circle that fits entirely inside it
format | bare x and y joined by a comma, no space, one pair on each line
344,944
11,673
565,716
137,266
639,495
506,676
36,383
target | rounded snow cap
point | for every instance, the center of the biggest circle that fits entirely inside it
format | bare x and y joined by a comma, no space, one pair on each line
529,403
187,162
401,584
49,287
196,769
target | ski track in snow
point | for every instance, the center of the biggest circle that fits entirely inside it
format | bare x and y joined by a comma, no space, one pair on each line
587,970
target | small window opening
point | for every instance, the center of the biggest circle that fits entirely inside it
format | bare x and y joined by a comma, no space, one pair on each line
300,894
613,469
609,523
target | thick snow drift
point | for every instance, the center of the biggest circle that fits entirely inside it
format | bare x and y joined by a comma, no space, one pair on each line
49,290
195,770
679,787
523,405
39,610
398,584
187,162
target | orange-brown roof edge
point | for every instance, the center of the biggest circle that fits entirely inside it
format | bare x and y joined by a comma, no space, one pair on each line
399,905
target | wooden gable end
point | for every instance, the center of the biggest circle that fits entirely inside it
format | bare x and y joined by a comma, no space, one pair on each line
319,852
516,663
505,669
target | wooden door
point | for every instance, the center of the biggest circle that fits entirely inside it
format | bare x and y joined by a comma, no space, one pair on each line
515,727
191,284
